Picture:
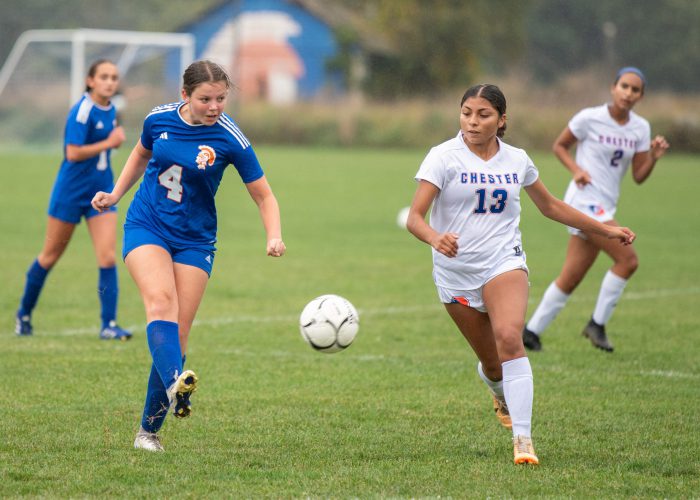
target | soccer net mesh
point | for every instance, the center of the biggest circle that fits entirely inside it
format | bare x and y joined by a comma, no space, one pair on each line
45,75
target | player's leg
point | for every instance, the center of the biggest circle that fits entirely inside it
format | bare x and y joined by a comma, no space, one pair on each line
103,232
58,235
581,253
190,282
476,329
505,297
625,263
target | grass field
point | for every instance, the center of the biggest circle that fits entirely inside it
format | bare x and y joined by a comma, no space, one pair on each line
401,413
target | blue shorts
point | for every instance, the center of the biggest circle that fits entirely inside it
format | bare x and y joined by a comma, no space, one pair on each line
136,236
73,213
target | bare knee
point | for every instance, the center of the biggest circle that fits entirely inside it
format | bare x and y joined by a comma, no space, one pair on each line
510,343
627,266
106,258
161,305
48,257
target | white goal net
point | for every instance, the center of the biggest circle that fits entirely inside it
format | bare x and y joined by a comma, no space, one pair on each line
44,75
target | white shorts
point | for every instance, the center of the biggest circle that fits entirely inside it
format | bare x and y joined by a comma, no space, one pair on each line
473,298
594,209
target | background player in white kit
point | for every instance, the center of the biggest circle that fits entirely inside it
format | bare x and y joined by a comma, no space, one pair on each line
608,139
473,182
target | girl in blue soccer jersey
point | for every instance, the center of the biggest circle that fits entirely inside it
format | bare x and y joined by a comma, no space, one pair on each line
170,227
473,183
90,135
609,139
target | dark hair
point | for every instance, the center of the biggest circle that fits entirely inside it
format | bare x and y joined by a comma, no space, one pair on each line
93,70
493,95
204,71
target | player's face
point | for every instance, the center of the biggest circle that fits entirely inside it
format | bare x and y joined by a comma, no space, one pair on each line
104,83
206,103
479,121
628,90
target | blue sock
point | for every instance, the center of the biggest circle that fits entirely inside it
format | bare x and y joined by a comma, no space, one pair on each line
108,291
36,276
156,408
164,344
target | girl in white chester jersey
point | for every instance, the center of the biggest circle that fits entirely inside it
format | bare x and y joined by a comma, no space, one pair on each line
473,182
608,139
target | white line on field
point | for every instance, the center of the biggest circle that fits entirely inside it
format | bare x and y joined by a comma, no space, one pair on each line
383,311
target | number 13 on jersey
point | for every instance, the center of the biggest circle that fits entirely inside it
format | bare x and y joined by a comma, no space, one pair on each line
171,180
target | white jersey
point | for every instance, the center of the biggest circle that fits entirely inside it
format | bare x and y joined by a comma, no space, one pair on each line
479,200
605,150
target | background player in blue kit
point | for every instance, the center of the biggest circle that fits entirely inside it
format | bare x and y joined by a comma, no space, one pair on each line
170,228
608,139
473,182
91,133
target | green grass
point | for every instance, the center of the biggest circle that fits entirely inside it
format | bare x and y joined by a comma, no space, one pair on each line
401,413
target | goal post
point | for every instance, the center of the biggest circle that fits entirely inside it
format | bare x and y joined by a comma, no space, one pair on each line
47,68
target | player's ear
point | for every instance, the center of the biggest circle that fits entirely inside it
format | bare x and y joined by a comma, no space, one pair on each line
185,97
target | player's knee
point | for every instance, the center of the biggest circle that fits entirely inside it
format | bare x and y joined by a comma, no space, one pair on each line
510,343
161,304
107,259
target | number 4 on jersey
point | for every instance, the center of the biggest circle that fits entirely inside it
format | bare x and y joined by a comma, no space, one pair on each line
170,180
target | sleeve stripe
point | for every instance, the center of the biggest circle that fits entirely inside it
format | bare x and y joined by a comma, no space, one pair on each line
84,111
228,124
163,109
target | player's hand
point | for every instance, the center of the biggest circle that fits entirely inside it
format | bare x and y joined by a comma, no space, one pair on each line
276,247
117,137
102,201
582,177
624,234
659,145
446,244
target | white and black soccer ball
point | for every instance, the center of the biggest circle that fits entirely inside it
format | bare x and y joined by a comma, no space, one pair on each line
329,323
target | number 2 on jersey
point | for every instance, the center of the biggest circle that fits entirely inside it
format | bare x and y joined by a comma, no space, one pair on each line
500,195
170,180
617,156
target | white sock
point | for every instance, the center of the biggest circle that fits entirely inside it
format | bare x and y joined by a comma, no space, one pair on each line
552,302
519,392
496,387
610,292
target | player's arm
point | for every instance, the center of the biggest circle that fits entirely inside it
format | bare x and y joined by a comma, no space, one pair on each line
133,169
555,209
264,198
445,243
643,163
562,150
75,152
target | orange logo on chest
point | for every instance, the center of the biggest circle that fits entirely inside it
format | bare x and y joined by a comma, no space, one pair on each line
206,156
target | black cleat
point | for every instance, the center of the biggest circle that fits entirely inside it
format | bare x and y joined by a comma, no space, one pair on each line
531,340
596,334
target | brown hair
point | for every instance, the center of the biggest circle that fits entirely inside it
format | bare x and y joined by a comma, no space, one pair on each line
493,95
204,71
93,70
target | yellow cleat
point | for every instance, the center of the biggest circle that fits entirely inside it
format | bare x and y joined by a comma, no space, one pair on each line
502,413
180,391
523,451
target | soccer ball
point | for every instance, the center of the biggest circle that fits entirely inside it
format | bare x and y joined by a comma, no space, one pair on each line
329,323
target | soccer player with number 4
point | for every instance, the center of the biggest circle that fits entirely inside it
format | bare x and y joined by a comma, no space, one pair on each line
473,182
608,139
170,227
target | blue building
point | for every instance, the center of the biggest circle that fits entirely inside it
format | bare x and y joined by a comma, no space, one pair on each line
276,50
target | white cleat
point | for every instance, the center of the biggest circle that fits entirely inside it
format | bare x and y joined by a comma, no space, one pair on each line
148,441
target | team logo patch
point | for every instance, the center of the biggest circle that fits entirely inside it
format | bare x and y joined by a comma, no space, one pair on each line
461,300
597,210
206,156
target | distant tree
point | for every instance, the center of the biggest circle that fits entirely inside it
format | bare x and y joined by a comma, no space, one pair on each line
660,36
440,43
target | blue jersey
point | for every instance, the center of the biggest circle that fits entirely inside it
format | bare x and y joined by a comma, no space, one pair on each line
78,181
176,197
